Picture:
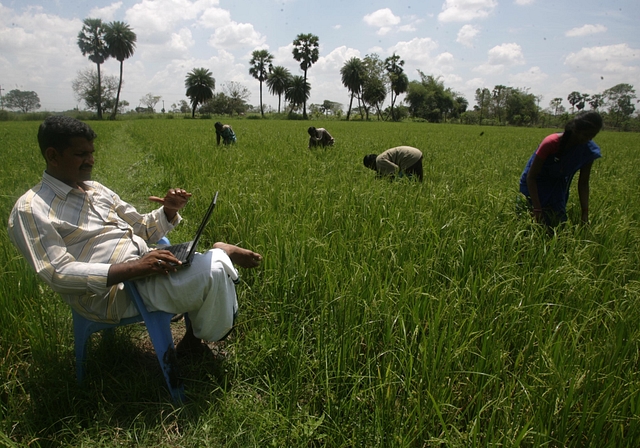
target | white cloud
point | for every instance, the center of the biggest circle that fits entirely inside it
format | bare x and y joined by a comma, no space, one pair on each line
523,2
586,30
500,57
610,59
236,35
466,10
417,49
467,35
162,16
506,54
532,77
107,13
383,19
333,62
214,17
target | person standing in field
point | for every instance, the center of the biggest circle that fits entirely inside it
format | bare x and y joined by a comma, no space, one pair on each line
399,161
547,176
225,132
319,137
84,241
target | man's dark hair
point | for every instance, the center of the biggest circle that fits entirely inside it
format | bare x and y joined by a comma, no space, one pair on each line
370,161
57,131
312,131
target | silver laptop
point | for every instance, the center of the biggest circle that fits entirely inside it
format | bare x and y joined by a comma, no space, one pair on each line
185,251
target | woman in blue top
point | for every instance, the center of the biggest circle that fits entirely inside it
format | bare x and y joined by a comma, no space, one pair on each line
224,131
547,177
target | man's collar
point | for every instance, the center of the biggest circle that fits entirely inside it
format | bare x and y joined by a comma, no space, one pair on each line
60,188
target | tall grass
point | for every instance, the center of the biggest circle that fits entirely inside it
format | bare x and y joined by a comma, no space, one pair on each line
385,313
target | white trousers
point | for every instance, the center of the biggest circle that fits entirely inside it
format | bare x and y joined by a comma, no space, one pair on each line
205,289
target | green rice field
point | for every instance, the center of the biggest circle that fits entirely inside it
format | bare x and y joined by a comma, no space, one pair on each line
385,314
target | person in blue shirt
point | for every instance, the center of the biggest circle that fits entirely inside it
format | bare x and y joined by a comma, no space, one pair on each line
547,177
225,132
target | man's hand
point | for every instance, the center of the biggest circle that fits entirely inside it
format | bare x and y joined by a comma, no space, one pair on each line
153,262
173,201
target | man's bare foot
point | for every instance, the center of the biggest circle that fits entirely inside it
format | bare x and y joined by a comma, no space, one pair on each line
242,257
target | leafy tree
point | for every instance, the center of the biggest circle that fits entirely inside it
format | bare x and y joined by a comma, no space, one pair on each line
596,100
305,51
297,92
181,107
397,78
238,96
121,42
374,90
483,102
278,81
583,101
555,104
150,100
331,107
219,104
200,84
93,92
620,102
574,98
431,100
352,73
91,42
261,65
499,96
24,101
521,107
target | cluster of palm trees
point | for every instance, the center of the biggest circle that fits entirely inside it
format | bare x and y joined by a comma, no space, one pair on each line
100,41
367,80
200,82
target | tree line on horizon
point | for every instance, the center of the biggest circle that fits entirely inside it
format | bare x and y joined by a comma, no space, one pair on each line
370,81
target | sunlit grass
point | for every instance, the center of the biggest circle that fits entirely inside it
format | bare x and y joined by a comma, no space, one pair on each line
385,313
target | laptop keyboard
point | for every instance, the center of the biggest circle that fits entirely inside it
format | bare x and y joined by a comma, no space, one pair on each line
180,251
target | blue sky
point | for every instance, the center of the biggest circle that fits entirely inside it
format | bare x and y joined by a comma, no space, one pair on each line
549,47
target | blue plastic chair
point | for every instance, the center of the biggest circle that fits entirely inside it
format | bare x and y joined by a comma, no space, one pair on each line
158,325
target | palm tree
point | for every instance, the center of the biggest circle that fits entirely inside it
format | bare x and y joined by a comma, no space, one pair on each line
297,92
278,81
200,84
397,78
91,42
121,42
352,78
305,51
261,65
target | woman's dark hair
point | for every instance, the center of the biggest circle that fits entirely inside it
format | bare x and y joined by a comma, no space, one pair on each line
583,121
57,131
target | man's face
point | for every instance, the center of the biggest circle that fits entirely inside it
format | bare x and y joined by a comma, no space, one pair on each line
75,163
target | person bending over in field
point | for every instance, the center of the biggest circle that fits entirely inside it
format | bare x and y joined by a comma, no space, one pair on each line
547,176
399,161
319,137
84,241
225,132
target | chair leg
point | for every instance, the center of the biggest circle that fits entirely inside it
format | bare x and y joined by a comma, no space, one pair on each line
159,327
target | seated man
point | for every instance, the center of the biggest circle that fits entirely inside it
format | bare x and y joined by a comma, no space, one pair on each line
84,241
225,132
319,137
399,161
